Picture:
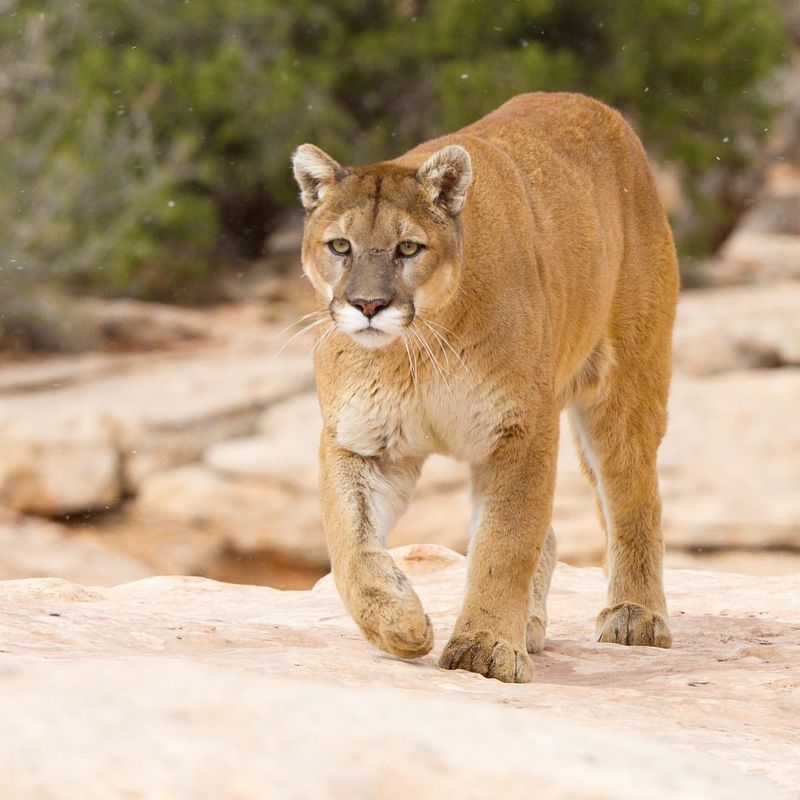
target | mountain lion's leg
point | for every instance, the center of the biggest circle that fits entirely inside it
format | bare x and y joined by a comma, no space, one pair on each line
361,499
514,493
540,586
618,434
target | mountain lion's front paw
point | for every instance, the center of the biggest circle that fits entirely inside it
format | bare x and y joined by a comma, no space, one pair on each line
486,654
394,621
630,623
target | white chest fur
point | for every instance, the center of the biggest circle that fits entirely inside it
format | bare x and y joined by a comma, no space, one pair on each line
434,419
382,423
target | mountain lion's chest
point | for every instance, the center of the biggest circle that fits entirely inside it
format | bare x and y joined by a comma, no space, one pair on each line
435,419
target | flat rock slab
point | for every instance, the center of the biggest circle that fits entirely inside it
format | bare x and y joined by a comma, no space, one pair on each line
32,548
184,687
713,496
730,467
79,445
248,515
752,257
739,327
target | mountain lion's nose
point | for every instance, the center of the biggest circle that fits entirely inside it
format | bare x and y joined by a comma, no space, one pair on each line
369,308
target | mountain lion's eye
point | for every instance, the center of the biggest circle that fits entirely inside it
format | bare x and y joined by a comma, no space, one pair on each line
408,249
341,247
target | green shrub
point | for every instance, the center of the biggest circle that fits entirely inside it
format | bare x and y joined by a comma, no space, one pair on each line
146,142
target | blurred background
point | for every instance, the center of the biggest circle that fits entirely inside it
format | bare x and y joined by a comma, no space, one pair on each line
155,414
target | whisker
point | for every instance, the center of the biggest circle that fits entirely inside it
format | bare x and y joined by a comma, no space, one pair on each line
437,324
297,322
442,342
444,352
414,352
310,356
410,364
310,326
432,357
419,315
325,335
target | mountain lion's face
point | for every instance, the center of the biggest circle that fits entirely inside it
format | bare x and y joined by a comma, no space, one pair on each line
381,243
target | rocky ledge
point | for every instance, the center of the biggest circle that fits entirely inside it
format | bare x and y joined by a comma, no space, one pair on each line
188,688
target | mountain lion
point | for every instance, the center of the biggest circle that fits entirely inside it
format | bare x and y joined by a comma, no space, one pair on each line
472,289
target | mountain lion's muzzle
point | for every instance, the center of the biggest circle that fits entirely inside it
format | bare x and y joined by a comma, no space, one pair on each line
371,284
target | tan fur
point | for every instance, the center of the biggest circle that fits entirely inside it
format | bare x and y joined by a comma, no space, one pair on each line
548,280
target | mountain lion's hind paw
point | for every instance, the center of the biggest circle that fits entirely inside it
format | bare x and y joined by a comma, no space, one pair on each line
632,624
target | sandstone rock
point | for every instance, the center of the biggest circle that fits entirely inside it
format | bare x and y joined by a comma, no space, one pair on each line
284,453
365,743
195,689
729,464
442,474
165,547
738,328
205,401
56,465
79,433
259,494
440,510
154,415
147,449
711,500
753,257
56,372
133,324
728,470
248,515
440,518
778,210
747,561
30,548
175,547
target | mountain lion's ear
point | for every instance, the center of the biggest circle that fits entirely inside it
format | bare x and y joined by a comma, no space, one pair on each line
315,172
446,176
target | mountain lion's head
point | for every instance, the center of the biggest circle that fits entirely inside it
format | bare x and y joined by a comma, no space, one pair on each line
382,243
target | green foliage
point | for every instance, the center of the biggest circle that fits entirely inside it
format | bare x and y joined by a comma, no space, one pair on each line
147,141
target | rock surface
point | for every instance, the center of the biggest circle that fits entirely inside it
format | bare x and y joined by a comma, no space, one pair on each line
51,465
183,687
31,548
289,431
729,470
117,428
753,256
738,328
765,245
730,463
249,515
136,325
713,498
209,455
